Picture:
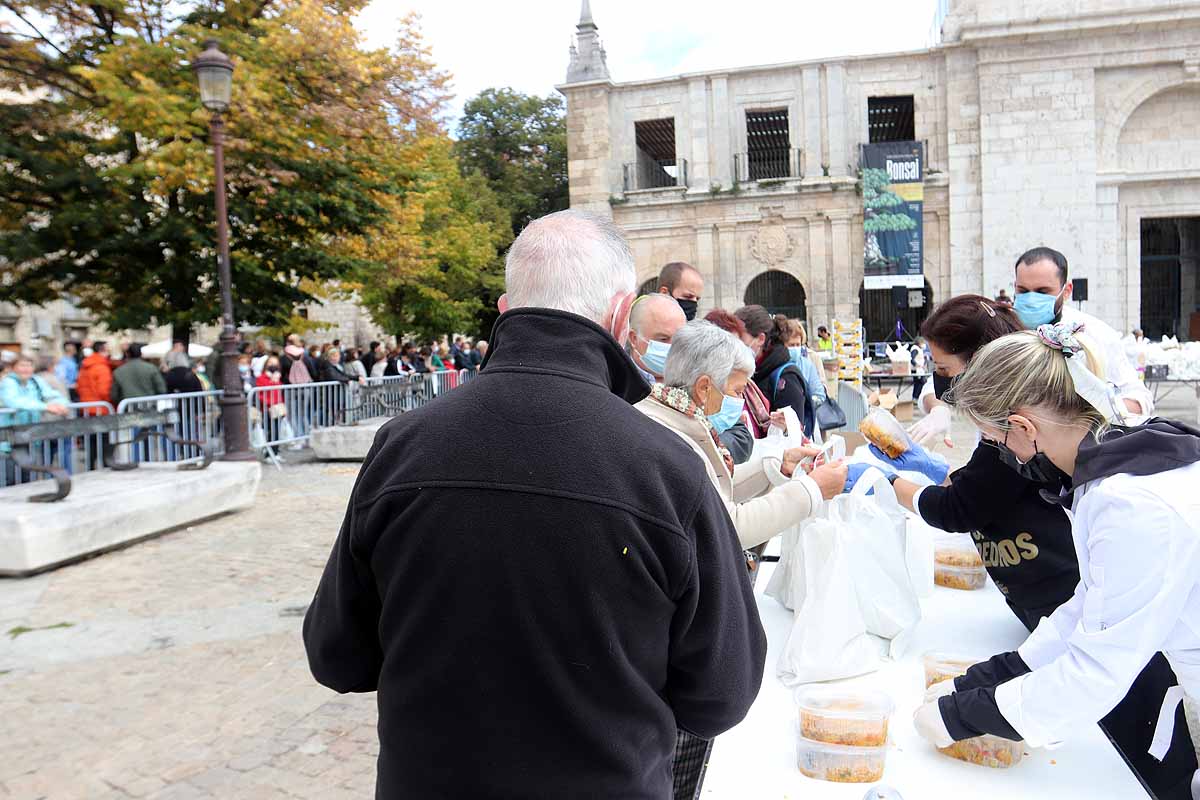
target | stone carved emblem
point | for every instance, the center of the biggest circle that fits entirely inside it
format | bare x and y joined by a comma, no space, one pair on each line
771,243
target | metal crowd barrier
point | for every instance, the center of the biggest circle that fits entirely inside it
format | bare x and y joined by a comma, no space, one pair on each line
287,414
199,420
277,416
73,454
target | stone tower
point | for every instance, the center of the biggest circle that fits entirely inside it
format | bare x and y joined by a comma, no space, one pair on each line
591,171
587,54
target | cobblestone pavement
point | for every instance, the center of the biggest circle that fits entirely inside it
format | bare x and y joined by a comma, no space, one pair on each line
174,669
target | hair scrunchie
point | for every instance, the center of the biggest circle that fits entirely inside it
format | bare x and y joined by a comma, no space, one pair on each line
1098,392
1061,336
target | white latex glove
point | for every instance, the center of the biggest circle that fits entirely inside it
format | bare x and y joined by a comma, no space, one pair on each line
928,722
939,689
935,424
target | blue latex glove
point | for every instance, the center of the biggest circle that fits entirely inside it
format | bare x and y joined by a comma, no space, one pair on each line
855,471
917,459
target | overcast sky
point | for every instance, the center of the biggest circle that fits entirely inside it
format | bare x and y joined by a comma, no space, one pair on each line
523,43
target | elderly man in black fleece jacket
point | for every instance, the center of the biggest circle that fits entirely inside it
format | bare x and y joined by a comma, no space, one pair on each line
537,616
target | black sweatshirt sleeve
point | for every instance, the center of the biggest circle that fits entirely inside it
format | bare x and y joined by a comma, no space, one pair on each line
739,442
718,647
341,627
978,493
973,713
993,672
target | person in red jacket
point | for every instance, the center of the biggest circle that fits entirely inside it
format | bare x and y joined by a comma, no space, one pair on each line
270,402
94,383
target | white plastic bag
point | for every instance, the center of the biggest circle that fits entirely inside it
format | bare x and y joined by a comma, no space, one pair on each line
876,535
258,438
787,584
829,639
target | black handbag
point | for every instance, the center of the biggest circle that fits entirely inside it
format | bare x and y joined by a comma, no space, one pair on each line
830,416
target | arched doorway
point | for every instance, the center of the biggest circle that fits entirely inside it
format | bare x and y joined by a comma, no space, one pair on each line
779,293
649,286
880,313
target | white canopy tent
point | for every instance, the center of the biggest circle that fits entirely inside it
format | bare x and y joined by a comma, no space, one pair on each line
160,349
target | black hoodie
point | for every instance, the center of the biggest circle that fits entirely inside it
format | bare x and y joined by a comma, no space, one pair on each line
1159,445
541,604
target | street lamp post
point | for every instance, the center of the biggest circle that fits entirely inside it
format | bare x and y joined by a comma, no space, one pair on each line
214,72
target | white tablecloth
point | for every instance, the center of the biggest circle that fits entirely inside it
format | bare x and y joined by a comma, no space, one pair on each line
757,758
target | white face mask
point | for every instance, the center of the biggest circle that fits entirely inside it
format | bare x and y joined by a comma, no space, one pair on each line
87,351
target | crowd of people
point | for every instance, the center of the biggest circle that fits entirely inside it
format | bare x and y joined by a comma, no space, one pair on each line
586,550
92,376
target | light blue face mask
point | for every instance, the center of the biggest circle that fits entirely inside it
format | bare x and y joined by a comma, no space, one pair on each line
730,413
655,357
798,354
1035,308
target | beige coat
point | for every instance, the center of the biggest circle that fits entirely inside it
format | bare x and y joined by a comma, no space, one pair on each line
761,501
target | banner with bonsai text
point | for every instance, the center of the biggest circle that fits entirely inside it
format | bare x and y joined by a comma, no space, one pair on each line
893,201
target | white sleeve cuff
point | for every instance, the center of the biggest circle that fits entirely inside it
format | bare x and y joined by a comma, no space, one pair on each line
771,467
916,501
1008,701
810,486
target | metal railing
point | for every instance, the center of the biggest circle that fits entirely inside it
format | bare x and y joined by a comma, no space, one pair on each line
199,420
277,415
74,454
648,173
761,165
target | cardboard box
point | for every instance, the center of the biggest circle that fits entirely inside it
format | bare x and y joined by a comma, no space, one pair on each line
888,401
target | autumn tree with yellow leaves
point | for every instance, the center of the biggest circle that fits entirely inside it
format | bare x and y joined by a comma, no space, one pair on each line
341,175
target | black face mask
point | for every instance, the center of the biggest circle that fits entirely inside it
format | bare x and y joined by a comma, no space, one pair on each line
941,385
1039,469
689,308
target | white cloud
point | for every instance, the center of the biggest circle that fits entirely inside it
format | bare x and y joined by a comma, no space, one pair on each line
523,44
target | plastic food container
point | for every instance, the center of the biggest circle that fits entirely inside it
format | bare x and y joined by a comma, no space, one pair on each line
965,578
987,751
840,763
940,666
842,716
957,565
883,431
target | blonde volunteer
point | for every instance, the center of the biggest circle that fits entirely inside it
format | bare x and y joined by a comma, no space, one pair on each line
1136,525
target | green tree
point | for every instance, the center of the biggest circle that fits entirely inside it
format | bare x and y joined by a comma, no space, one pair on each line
879,216
106,188
518,144
437,259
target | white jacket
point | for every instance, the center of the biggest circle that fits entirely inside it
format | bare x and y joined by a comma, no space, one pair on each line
1138,542
761,501
1117,369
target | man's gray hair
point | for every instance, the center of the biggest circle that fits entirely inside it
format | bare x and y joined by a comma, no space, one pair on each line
701,348
571,261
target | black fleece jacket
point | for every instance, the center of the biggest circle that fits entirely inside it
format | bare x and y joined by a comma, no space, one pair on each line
541,605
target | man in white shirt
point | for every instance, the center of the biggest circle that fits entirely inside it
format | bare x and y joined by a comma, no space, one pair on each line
1043,296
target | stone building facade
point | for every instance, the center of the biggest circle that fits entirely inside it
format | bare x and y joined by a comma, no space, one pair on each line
1070,123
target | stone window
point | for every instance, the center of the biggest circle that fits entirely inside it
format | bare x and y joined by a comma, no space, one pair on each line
768,146
891,119
657,166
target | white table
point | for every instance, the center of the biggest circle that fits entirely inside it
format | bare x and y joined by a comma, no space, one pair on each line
757,758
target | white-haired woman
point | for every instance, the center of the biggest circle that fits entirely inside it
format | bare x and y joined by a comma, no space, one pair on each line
1136,525
699,397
